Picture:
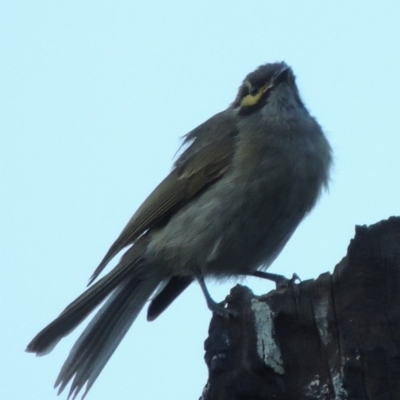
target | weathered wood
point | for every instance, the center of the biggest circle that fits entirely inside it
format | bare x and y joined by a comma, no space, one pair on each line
336,337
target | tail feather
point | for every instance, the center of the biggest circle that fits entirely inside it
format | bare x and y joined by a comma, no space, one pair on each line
102,336
124,292
44,342
162,300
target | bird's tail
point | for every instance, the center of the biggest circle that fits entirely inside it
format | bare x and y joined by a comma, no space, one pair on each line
128,286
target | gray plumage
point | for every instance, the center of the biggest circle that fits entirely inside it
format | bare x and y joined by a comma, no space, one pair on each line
234,198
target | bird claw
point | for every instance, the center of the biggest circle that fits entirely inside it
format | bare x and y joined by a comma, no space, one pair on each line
281,282
221,310
285,283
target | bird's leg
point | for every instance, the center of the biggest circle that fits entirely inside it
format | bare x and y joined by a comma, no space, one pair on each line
212,305
280,280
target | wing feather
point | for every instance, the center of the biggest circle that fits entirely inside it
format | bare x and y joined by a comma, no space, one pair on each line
194,171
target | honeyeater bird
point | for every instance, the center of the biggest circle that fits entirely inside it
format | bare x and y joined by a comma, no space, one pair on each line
234,197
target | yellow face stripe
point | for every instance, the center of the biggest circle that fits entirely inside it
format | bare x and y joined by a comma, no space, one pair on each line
252,99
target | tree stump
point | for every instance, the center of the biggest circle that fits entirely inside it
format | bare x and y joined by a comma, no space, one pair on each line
336,337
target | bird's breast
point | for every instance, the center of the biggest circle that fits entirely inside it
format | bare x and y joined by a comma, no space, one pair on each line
246,217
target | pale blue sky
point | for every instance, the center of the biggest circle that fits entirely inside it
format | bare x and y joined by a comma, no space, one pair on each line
94,98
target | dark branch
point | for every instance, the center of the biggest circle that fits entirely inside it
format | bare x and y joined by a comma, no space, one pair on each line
336,337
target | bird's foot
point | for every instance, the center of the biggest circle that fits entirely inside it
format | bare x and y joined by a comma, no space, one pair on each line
281,282
217,308
220,309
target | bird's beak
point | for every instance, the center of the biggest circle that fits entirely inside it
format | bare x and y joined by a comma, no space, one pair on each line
281,75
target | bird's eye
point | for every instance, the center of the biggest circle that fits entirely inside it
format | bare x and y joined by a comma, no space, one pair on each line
254,90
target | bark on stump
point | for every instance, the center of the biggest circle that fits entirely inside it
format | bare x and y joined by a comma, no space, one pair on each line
336,337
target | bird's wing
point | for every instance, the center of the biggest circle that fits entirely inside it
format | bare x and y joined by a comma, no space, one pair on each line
192,174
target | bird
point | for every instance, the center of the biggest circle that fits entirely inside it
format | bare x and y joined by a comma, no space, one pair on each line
243,182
